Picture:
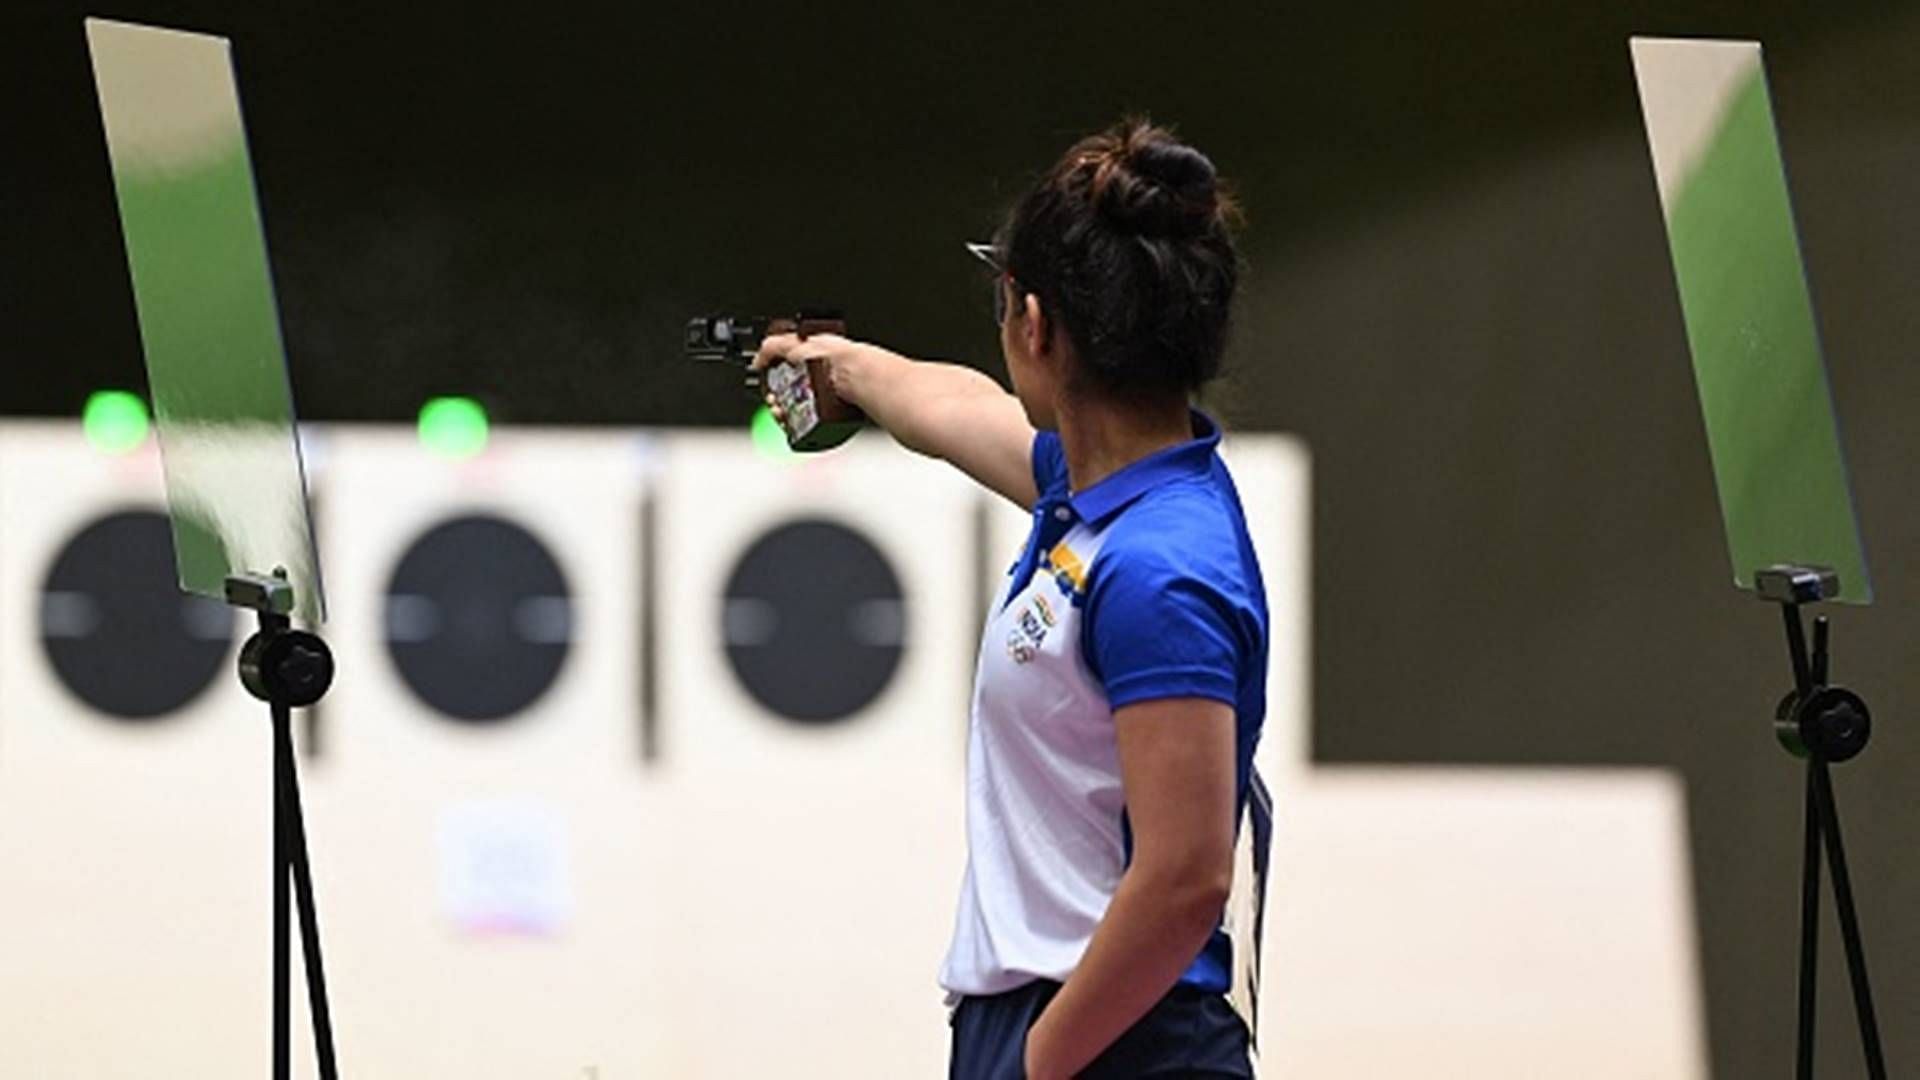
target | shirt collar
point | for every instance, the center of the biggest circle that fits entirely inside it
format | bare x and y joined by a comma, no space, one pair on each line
1191,458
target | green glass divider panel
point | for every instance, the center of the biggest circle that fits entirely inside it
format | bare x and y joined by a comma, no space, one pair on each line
236,486
1777,461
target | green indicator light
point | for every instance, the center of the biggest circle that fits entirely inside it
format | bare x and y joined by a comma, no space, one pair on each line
768,436
115,421
453,427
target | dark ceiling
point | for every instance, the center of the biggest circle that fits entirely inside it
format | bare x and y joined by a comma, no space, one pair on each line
523,203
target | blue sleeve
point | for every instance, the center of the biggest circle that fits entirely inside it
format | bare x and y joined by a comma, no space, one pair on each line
1157,629
1049,462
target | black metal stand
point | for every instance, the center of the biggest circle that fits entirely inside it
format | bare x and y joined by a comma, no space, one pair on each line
288,669
1822,723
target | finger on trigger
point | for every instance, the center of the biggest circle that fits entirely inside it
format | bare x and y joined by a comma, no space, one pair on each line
773,348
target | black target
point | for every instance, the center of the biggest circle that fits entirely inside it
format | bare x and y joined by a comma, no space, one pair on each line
116,627
478,618
814,621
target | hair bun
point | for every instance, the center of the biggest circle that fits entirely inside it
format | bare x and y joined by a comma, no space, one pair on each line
1153,183
1127,245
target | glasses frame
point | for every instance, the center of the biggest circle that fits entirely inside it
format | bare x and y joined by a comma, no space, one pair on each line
991,255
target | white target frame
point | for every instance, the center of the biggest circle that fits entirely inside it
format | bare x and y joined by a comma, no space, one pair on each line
769,913
562,782
98,815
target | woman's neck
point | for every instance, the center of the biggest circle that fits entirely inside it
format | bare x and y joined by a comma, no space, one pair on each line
1102,437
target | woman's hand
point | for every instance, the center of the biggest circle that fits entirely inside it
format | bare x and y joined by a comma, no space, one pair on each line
849,364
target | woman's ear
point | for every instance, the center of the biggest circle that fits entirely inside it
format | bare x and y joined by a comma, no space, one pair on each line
1047,342
1039,327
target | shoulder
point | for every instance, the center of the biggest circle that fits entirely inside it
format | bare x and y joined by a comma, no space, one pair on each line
1174,606
1188,531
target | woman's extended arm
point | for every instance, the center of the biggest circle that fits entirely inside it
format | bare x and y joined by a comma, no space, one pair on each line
946,411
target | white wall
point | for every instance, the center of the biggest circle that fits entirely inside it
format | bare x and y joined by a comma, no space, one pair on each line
756,900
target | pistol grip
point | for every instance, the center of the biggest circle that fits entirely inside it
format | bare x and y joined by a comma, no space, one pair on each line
813,416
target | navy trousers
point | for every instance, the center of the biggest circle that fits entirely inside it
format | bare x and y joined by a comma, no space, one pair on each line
1189,1033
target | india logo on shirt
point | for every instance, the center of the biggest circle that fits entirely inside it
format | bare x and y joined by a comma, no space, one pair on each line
1030,630
1019,648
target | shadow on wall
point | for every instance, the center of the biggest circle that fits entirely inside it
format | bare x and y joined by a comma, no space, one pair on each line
1519,550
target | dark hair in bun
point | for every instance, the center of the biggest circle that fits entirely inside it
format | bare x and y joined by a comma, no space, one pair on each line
1128,243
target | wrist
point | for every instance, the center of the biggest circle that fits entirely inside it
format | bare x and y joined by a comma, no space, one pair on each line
871,371
1040,1055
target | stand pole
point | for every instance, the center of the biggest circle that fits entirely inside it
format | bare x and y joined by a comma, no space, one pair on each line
296,835
1822,791
288,669
282,962
1797,649
1809,929
1821,723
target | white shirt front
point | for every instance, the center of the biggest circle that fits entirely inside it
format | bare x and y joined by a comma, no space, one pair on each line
1045,848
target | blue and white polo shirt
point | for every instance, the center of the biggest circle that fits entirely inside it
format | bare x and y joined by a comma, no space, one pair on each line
1143,586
